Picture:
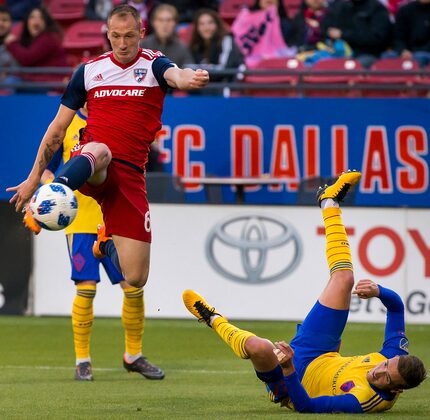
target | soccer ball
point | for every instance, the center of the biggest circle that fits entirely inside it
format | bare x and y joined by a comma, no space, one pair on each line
54,206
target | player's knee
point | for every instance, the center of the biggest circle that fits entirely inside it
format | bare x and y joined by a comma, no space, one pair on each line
258,347
101,152
344,279
103,157
137,279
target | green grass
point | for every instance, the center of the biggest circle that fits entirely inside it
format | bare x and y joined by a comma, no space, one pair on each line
204,380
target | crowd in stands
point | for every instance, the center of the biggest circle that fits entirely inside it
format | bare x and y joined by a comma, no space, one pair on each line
198,32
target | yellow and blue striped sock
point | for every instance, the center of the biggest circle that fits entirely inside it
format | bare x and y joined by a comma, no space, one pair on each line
82,320
133,317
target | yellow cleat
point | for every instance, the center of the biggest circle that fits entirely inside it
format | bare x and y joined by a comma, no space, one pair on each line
101,239
29,221
197,305
340,188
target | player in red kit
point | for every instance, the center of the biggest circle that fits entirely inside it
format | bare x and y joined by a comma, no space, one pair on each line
124,90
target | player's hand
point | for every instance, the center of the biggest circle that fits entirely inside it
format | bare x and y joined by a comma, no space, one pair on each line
23,193
200,79
284,353
366,289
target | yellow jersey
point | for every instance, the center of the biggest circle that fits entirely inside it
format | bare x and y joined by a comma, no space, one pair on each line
89,213
332,374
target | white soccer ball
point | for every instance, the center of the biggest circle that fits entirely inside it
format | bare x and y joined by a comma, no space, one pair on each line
54,206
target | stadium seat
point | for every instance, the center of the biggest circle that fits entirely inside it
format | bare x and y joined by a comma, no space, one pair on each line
288,79
342,74
423,83
229,9
85,39
67,11
401,81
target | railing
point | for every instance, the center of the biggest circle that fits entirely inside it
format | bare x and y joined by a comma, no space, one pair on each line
419,80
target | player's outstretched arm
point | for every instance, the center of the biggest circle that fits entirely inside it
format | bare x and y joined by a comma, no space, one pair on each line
395,341
50,143
186,79
298,395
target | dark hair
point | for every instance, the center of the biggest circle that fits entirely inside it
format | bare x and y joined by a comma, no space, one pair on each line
122,10
412,371
5,10
198,46
282,12
50,25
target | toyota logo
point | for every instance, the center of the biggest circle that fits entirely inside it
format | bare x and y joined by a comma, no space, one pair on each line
253,248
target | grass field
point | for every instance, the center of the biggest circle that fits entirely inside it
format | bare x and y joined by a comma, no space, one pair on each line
204,380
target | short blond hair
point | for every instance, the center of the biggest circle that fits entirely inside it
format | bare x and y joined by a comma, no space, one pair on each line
165,8
124,10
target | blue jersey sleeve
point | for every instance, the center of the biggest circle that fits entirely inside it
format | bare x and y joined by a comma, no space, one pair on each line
395,340
304,404
159,66
56,160
75,95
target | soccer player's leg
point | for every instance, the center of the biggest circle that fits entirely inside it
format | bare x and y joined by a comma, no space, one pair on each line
244,344
133,321
85,274
87,163
314,337
337,294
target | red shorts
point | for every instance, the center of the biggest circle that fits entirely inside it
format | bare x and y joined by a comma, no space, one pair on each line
122,198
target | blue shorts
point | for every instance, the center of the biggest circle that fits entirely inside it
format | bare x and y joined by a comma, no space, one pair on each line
320,333
84,265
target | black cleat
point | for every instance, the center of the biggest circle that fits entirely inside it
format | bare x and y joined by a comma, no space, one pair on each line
84,372
146,369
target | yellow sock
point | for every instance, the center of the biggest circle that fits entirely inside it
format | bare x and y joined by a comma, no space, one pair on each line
337,246
233,336
82,319
133,316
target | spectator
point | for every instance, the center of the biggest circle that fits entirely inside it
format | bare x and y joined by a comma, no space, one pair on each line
164,19
98,9
285,21
306,29
211,44
412,31
19,9
188,8
261,32
143,7
6,59
364,24
39,45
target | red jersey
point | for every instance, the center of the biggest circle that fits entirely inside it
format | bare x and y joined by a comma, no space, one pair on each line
124,101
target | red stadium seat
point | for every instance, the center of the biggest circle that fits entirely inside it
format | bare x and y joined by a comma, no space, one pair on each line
85,39
346,78
405,79
229,9
67,11
423,81
289,79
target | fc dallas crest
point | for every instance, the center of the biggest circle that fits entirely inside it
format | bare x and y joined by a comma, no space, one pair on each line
139,74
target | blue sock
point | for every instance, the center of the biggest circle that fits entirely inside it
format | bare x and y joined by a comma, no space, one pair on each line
76,171
108,248
275,384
